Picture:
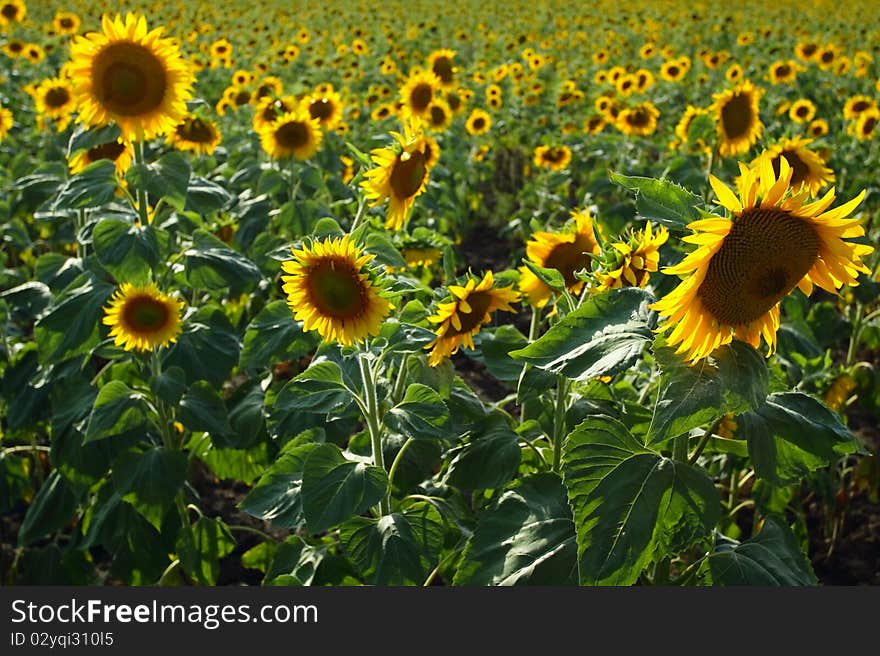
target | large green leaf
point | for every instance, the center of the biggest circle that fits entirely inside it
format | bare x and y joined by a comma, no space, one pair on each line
422,415
662,201
211,264
603,336
793,434
208,347
320,388
52,508
201,546
204,196
489,460
167,178
335,489
772,557
631,505
294,563
118,409
128,251
202,409
526,538
695,396
153,476
94,186
277,496
273,335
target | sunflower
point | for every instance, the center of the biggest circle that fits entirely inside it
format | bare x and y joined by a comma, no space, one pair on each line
684,123
744,265
567,252
461,318
54,100
738,124
734,73
34,53
807,167
802,111
806,50
142,318
439,115
856,105
6,122
294,134
382,112
221,53
672,71
555,158
12,11
826,56
133,77
326,107
242,78
269,109
866,125
418,92
783,72
440,64
66,22
195,134
269,87
630,263
401,173
331,289
593,124
14,48
818,128
638,120
118,152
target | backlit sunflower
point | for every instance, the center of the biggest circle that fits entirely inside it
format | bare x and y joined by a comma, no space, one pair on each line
400,174
294,134
470,307
142,318
440,63
327,108
12,11
802,111
331,289
418,92
54,100
738,124
478,122
118,152
807,166
630,263
131,76
555,158
567,252
195,134
66,22
639,120
744,265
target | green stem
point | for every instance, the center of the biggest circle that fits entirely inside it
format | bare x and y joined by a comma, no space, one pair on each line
534,330
400,381
397,460
371,416
80,222
250,529
856,334
141,193
704,441
362,206
680,448
559,420
709,165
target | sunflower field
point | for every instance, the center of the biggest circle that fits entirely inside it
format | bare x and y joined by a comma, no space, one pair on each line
359,293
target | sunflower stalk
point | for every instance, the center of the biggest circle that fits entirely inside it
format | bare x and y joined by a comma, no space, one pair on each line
374,425
140,159
559,420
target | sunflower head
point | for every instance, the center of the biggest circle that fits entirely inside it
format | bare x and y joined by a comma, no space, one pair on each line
555,158
6,122
331,289
773,241
865,126
118,152
294,134
469,307
807,166
738,124
630,263
478,122
142,318
440,64
66,22
195,134
12,11
802,111
638,120
418,92
326,107
568,252
127,75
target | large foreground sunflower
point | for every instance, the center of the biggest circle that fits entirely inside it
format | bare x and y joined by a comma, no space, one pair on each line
567,252
807,166
737,121
744,265
331,289
401,173
142,318
131,76
462,317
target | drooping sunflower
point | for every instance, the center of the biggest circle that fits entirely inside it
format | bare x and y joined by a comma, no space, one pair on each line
118,152
555,158
459,319
327,108
630,263
54,100
66,22
294,134
418,92
567,252
807,166
195,134
12,11
142,318
745,265
130,76
802,110
440,64
331,289
638,120
401,173
737,120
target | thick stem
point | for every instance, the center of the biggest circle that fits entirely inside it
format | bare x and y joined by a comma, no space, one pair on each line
704,441
559,420
371,416
397,460
680,448
400,381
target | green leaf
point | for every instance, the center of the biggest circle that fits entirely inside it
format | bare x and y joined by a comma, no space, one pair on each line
295,563
86,139
793,434
202,409
489,460
319,388
697,395
117,409
335,488
421,415
662,201
526,538
602,337
496,346
154,476
383,248
631,505
551,277
169,385
167,178
771,558
128,251
405,337
52,508
206,197
277,496
392,550
200,548
94,186
208,347
211,264
270,337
